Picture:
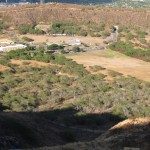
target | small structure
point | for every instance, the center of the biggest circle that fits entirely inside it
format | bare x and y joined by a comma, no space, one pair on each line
113,37
11,47
114,34
58,34
75,42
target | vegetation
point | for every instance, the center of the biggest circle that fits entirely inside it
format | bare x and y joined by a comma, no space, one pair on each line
60,99
3,26
76,49
27,39
96,68
87,28
105,34
55,47
90,92
64,27
24,29
128,49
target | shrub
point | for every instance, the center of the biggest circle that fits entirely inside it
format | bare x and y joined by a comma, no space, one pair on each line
64,27
128,49
101,27
96,68
55,47
142,40
4,61
24,29
76,49
82,33
129,36
3,26
114,73
140,33
26,39
106,34
25,63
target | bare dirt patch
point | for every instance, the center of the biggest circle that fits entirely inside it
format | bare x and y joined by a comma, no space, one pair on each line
45,38
115,61
3,67
31,62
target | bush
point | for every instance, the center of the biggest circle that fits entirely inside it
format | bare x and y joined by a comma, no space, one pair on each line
140,33
26,39
143,41
96,68
76,49
3,26
24,29
82,33
129,50
4,61
25,63
114,73
106,34
55,47
64,27
129,36
101,27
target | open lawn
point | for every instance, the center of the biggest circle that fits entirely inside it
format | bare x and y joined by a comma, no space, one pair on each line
115,61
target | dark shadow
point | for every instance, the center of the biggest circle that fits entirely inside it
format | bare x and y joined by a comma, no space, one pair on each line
2,108
51,128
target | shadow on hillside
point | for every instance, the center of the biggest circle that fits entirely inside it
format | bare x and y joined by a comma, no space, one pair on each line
51,128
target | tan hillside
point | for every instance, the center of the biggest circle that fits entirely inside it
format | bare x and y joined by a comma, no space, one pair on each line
79,13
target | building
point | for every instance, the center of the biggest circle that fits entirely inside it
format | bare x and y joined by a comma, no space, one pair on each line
75,42
11,47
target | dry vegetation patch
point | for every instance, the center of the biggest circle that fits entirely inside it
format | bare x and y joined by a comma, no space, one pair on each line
126,65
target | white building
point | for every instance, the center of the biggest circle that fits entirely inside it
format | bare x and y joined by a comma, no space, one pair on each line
75,42
11,47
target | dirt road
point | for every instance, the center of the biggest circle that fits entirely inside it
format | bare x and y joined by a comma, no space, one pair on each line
115,61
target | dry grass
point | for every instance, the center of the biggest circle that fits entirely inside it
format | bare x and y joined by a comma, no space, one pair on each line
132,122
78,13
45,38
117,62
31,63
3,67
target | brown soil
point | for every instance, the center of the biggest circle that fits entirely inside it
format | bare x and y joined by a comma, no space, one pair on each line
31,62
3,67
126,65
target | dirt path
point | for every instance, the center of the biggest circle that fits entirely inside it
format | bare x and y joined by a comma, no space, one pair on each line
115,61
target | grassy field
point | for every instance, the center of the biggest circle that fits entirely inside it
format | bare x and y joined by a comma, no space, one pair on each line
115,61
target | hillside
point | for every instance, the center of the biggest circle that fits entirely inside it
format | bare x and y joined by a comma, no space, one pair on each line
70,74
77,103
133,133
49,12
